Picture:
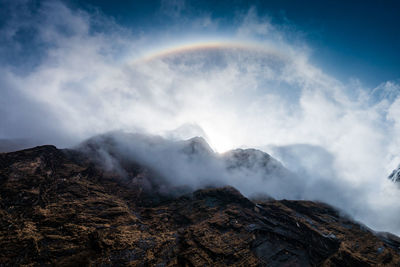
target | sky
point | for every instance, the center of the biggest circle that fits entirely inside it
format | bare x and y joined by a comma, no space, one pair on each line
349,39
316,86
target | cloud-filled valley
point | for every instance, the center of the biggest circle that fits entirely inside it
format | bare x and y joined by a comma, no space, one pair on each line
250,88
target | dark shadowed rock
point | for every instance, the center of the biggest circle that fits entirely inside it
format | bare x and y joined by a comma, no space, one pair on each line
59,208
395,175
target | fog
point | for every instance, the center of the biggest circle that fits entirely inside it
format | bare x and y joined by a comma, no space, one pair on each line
192,164
181,166
75,74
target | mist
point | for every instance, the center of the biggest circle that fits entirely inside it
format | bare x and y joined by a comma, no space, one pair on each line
192,164
81,74
177,167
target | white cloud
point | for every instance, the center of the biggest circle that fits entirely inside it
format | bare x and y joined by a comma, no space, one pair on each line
251,25
84,84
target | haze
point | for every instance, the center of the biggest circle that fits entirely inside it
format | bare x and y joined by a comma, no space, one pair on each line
68,73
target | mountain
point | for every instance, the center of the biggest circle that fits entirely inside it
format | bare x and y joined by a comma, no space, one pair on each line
196,146
63,208
255,161
190,163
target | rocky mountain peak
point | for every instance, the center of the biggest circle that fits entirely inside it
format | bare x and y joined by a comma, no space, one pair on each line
247,158
197,145
57,207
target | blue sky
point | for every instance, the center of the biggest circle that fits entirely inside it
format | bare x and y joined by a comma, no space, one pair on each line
350,39
324,47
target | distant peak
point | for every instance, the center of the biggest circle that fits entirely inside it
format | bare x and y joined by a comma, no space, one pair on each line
246,156
197,144
247,152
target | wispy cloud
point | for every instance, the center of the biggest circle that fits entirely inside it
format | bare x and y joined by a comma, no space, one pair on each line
82,77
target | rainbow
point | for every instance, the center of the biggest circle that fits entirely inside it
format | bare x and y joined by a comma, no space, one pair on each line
207,46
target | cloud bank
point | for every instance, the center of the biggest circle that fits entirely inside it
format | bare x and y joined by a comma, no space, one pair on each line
68,74
188,165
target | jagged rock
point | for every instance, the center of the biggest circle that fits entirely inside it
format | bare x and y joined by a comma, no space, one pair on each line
58,207
256,162
197,145
395,175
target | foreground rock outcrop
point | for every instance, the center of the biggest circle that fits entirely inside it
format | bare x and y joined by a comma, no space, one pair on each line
57,207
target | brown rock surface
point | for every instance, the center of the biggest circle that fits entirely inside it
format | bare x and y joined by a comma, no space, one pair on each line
58,208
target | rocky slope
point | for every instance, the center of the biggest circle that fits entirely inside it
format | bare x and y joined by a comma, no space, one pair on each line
395,175
59,207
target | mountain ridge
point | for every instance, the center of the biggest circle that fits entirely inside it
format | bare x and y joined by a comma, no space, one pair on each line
59,207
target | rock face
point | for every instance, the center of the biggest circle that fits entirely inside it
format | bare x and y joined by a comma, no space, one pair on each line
395,175
254,161
57,207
